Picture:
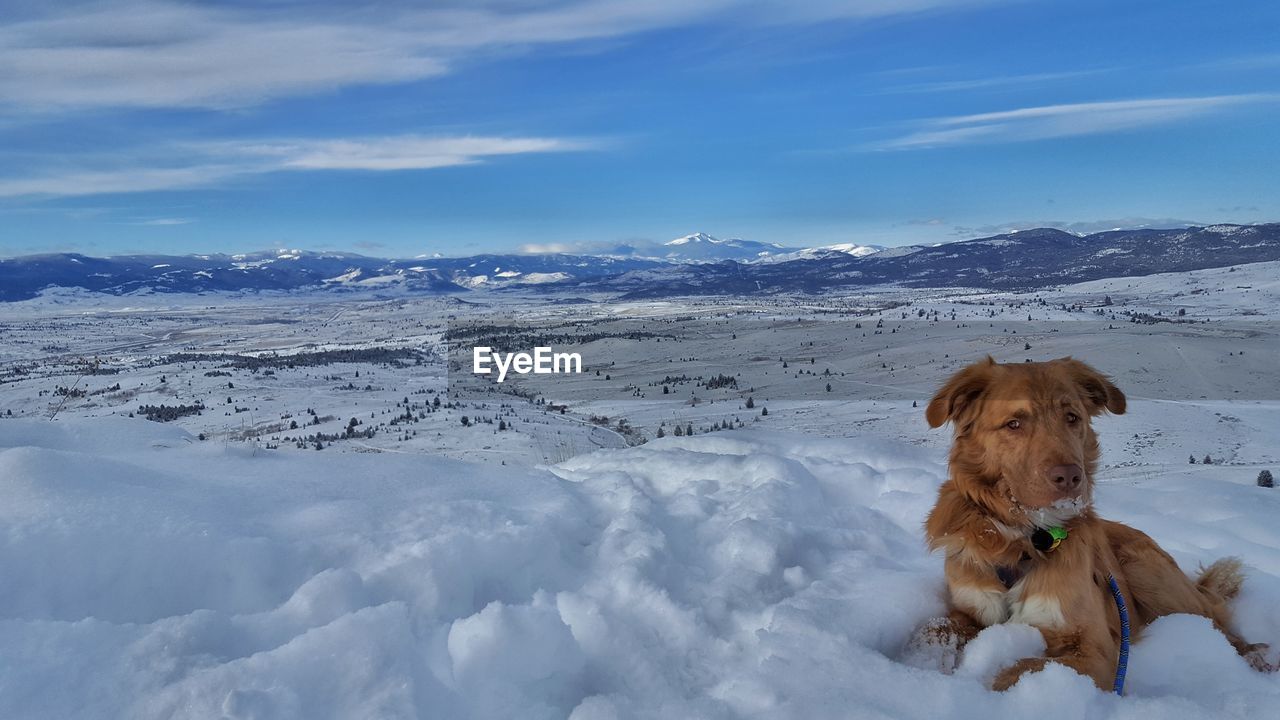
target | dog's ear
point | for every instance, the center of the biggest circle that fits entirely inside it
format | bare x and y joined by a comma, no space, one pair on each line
959,392
1098,390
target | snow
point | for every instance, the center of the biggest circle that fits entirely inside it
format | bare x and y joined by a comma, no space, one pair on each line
149,574
694,238
437,570
851,249
347,277
998,647
538,277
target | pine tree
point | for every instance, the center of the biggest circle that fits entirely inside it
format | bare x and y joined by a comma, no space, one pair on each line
764,411
661,433
1193,459
751,402
679,431
1265,480
1207,460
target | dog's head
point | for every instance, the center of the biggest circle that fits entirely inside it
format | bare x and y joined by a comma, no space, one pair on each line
1023,434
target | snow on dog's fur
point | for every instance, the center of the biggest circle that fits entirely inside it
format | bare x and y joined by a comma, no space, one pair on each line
1023,458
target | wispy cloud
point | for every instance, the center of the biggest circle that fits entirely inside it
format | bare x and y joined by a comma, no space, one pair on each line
546,248
160,53
196,165
1080,227
989,83
402,152
1054,121
162,222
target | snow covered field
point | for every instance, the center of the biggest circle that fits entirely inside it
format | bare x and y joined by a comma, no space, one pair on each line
218,565
729,575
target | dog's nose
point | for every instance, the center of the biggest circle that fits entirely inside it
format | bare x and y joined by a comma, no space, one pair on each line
1066,478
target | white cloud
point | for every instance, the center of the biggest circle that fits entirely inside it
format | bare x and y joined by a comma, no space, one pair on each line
159,53
1053,121
403,152
546,248
162,222
987,83
1079,227
199,165
125,179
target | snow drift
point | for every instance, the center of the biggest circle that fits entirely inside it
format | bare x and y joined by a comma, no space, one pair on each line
147,574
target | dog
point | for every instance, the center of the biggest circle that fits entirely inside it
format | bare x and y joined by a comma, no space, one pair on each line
1023,544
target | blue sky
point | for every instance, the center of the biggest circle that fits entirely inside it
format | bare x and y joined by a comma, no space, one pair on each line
398,129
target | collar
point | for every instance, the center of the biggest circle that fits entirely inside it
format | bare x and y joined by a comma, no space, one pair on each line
1045,540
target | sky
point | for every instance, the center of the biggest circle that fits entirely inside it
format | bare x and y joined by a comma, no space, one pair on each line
462,126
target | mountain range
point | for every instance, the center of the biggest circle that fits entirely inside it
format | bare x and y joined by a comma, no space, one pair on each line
696,264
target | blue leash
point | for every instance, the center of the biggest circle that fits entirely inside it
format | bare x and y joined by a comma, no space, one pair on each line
1122,666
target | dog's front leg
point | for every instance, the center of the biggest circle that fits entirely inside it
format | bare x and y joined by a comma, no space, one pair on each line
941,641
1087,658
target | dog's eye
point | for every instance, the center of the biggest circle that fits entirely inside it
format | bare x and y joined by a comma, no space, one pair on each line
1072,418
1013,424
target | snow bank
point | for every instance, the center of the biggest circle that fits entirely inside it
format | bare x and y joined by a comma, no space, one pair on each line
146,574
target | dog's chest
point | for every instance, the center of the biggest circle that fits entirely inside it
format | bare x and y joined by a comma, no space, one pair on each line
1014,604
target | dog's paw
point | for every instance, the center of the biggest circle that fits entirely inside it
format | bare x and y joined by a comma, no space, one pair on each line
935,645
1010,676
1258,657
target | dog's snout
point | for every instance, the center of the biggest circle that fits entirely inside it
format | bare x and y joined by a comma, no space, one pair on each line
1066,478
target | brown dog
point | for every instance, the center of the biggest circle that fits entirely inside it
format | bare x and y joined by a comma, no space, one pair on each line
1023,460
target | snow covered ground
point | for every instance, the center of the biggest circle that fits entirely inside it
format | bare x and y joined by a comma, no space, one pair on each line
738,574
218,565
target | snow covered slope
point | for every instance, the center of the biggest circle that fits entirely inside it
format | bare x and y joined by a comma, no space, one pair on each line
147,574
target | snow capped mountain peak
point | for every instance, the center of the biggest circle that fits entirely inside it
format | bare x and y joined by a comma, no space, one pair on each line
701,247
836,250
698,237
853,249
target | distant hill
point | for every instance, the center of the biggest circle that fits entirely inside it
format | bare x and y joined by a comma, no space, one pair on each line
696,264
1025,259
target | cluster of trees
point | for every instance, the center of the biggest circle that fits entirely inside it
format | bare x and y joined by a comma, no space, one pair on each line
504,337
72,392
721,381
395,357
687,428
1264,477
166,413
468,421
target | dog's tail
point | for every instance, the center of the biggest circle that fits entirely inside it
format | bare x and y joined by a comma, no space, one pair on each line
1222,579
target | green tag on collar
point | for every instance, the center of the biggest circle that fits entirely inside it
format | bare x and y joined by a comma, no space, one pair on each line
1047,540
